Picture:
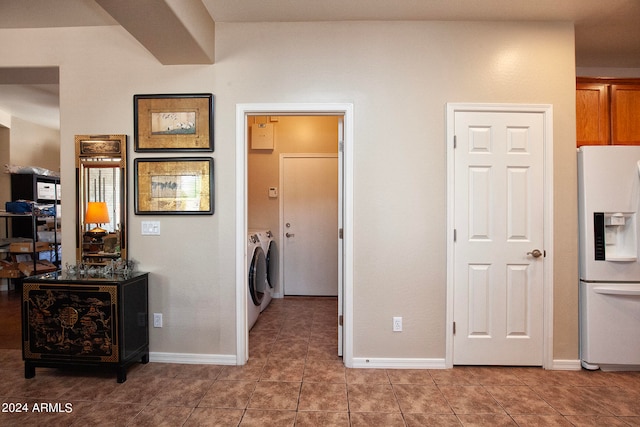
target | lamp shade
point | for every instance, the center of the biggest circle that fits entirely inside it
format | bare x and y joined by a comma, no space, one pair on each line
97,213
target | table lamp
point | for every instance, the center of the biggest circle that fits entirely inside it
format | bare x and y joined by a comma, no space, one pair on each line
97,213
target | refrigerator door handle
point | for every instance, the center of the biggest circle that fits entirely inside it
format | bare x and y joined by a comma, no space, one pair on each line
613,290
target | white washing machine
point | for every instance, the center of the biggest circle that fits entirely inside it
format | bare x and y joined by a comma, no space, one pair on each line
256,278
269,247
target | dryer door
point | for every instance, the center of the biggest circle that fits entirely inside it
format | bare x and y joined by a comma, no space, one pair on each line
271,264
257,276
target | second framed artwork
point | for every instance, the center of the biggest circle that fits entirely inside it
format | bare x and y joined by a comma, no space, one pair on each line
174,122
174,186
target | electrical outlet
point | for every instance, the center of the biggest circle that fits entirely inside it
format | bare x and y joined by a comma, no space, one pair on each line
397,324
157,320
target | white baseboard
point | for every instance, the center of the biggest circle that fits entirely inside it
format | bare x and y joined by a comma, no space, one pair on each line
187,358
401,363
358,362
398,363
566,365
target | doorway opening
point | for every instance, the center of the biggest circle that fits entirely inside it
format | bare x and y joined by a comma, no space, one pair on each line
268,217
29,136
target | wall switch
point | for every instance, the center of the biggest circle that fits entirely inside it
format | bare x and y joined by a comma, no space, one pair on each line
273,192
397,324
150,228
157,320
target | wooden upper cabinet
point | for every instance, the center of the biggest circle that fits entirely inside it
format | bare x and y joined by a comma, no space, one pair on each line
592,114
607,111
625,114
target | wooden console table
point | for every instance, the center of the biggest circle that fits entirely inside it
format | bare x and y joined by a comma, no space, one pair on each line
72,321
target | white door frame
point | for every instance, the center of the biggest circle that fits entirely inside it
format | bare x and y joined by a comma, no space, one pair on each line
547,111
242,111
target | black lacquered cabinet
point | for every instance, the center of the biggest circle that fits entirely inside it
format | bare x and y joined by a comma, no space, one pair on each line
70,321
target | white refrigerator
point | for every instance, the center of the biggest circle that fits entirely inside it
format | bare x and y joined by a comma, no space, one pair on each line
609,211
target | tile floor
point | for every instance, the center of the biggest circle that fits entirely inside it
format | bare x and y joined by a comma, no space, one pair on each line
295,378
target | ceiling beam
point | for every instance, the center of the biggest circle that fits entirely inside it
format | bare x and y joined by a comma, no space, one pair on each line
176,32
29,75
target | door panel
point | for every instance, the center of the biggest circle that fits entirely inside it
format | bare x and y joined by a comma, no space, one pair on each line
310,225
592,114
625,106
499,194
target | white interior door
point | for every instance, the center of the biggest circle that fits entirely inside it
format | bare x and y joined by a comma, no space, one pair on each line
499,227
310,224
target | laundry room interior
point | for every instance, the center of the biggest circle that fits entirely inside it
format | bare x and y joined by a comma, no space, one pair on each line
269,139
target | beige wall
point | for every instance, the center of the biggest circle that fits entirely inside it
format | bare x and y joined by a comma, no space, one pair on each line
34,145
399,76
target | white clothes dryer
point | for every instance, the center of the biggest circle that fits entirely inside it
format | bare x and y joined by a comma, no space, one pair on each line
269,247
256,278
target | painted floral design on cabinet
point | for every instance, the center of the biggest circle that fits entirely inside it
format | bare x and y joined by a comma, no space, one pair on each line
70,321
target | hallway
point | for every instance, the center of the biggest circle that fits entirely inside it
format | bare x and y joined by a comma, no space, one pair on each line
294,377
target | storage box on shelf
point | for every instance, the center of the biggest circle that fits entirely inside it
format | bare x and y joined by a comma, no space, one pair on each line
29,268
9,270
28,247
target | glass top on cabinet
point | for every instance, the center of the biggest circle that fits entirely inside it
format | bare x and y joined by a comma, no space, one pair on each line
64,276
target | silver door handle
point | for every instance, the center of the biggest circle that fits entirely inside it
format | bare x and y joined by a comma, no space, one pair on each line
535,253
289,234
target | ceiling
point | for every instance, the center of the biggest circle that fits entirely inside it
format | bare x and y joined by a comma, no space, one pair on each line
607,33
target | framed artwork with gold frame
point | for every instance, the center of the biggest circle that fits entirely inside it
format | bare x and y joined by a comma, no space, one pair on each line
177,186
174,122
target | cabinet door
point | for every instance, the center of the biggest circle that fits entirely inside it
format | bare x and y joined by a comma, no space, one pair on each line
592,114
70,321
625,114
46,316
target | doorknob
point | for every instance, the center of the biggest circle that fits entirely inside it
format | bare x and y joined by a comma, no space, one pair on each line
535,253
289,234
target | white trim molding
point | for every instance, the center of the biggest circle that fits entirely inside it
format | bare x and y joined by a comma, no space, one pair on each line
242,111
398,363
192,358
566,365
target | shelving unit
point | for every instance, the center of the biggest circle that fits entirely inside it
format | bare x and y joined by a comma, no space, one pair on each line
14,267
40,189
21,230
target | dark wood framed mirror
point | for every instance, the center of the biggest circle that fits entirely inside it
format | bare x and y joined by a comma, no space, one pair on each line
101,198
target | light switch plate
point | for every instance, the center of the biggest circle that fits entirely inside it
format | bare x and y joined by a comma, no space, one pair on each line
150,228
